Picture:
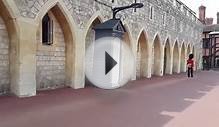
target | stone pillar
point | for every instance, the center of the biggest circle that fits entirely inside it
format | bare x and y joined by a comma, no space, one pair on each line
134,50
25,66
171,60
185,61
179,61
79,72
150,59
185,65
162,61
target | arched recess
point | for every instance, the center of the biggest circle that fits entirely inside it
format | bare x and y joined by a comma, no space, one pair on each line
176,58
156,59
167,58
90,37
127,37
55,62
188,51
195,58
142,56
8,50
183,59
194,52
193,49
90,33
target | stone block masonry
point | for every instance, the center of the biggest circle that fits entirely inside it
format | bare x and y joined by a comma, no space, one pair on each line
4,59
50,71
36,66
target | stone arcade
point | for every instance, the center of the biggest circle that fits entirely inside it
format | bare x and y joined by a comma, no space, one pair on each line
161,35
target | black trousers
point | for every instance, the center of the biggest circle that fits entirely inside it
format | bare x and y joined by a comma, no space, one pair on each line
190,72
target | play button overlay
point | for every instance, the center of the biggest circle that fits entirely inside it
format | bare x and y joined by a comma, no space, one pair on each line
109,63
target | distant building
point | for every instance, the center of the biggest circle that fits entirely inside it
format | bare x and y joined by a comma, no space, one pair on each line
210,40
209,21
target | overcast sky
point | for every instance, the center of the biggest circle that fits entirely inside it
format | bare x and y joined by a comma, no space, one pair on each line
212,6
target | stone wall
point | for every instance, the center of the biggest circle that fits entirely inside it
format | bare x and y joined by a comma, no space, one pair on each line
50,66
179,23
50,71
190,31
4,59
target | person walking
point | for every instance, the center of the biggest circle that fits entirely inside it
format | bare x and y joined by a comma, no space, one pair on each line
190,65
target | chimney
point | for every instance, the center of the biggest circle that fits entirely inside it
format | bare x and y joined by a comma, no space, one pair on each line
209,21
217,17
202,10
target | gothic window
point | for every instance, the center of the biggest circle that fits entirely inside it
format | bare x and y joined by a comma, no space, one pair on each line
164,19
47,30
151,11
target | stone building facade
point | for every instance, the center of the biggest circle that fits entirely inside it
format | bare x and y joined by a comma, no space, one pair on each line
210,40
161,35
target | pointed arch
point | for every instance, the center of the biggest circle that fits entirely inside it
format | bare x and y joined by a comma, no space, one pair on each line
183,58
193,51
189,51
167,57
89,32
127,38
63,48
10,32
156,59
142,56
95,19
195,57
90,36
176,59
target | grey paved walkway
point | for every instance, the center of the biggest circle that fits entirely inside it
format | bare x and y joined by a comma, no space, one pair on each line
170,101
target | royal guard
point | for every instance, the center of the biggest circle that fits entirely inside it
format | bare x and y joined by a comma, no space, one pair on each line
190,65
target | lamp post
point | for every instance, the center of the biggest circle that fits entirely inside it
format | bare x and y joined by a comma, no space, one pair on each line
113,27
111,32
118,9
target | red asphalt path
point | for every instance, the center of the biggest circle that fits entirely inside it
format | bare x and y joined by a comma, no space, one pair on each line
142,103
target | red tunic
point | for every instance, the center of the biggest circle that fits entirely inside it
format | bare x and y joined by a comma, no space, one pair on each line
190,63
